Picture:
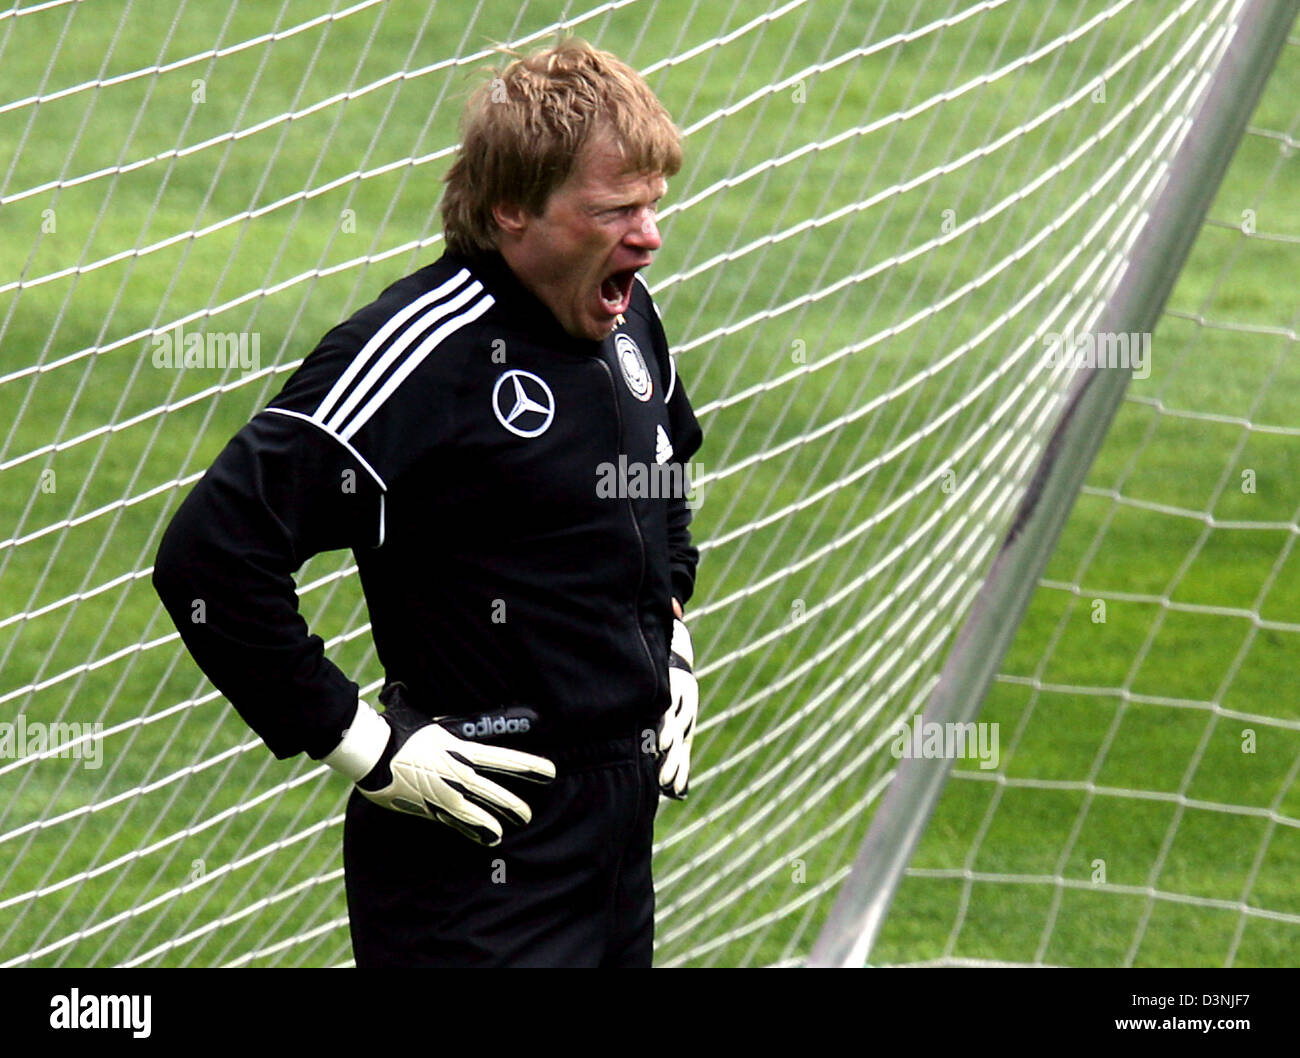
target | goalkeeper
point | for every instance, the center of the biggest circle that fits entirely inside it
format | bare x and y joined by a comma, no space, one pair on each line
458,436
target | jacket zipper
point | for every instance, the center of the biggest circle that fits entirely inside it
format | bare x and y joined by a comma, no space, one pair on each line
636,526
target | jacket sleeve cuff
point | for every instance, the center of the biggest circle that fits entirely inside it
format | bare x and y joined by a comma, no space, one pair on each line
683,581
362,745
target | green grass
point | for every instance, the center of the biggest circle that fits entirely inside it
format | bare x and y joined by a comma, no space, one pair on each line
1154,701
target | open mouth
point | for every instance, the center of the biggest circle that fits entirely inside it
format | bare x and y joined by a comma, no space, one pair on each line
616,291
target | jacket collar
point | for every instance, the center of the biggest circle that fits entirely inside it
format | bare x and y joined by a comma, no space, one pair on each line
516,303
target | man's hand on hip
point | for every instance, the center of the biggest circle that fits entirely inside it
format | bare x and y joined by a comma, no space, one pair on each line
677,727
404,761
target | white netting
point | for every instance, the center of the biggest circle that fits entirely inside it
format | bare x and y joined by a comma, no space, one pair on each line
1152,735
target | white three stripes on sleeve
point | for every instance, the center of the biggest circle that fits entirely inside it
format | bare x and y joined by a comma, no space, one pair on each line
382,335
449,307
351,426
462,305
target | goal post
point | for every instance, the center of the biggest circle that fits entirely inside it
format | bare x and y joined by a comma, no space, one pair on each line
1194,175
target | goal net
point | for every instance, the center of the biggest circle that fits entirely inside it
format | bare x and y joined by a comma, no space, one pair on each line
888,214
1147,810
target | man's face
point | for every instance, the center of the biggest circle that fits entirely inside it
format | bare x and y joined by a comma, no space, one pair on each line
580,256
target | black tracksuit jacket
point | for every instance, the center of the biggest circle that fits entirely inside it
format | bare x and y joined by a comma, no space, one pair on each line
461,444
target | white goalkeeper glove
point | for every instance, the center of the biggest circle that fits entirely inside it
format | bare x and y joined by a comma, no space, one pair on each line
677,728
404,761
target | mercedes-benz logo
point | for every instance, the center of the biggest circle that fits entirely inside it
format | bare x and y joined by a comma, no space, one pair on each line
526,406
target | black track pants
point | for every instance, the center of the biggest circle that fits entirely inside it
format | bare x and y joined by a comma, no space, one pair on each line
572,888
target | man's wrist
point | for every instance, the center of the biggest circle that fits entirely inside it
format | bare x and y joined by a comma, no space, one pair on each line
681,644
362,744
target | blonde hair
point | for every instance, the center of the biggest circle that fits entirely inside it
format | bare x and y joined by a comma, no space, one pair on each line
523,131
